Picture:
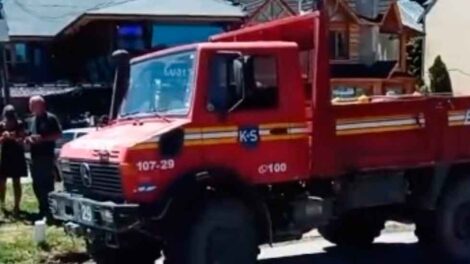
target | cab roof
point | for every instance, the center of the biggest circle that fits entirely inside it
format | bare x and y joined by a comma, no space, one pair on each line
299,29
218,45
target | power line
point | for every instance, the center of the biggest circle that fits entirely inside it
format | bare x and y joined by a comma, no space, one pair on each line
459,71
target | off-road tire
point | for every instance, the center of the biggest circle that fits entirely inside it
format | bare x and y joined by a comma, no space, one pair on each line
353,229
425,230
105,255
223,232
453,221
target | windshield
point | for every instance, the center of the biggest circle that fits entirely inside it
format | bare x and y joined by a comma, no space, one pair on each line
161,85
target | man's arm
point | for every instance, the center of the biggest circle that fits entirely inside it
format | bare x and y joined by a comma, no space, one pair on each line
52,137
55,130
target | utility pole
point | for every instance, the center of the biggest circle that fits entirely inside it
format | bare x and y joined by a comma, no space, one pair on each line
3,71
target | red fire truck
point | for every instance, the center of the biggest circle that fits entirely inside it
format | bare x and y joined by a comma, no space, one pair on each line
222,146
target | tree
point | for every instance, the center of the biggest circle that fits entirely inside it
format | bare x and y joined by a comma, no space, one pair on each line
439,75
414,62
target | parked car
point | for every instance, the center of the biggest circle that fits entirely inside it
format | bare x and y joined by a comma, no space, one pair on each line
71,134
67,136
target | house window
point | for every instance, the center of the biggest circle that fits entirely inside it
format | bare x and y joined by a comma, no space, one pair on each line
394,90
16,59
339,45
131,37
168,35
347,91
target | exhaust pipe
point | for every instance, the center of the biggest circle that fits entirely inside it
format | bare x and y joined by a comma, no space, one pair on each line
121,59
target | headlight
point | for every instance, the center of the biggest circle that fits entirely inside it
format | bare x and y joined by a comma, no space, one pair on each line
65,166
107,216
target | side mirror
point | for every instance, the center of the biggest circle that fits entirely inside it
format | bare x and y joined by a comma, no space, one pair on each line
227,89
238,68
121,60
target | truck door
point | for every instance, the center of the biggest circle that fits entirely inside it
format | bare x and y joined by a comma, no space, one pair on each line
258,133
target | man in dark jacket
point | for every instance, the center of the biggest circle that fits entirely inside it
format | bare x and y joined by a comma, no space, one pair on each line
45,130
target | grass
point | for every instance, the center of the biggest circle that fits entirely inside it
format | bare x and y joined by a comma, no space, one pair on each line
16,242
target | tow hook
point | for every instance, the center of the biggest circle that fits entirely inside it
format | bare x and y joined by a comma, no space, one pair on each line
73,229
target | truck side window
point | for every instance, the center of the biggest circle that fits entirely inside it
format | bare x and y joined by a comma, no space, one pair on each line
261,83
260,78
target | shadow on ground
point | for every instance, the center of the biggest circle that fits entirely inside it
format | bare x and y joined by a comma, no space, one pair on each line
377,254
71,258
22,217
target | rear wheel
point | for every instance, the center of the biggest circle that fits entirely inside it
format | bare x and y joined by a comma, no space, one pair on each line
353,229
453,221
222,233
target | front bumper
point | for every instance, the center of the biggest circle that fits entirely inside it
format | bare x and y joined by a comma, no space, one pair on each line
91,214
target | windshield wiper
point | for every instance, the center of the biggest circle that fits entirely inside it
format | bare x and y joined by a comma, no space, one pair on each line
137,114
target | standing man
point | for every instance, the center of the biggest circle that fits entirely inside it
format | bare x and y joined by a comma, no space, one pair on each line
45,130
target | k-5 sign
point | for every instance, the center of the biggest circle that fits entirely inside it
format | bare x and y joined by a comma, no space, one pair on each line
249,136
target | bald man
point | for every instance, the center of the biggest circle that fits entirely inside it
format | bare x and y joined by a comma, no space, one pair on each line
45,130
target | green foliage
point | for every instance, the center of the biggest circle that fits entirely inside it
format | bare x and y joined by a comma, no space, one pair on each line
414,61
439,75
16,241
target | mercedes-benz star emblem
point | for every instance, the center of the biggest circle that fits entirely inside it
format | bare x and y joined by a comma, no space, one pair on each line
85,173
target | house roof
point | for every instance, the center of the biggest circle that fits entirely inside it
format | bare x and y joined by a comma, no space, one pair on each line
197,8
411,13
251,6
44,18
379,70
47,18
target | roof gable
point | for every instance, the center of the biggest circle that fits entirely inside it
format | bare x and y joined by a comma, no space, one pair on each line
271,10
338,10
391,22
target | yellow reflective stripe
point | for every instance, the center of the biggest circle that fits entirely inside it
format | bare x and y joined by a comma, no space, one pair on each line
210,141
146,145
372,118
457,112
376,130
282,137
219,129
457,123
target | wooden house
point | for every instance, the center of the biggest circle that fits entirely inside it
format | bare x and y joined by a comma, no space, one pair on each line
368,41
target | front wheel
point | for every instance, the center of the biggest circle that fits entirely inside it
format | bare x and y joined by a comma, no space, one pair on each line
141,253
453,221
223,232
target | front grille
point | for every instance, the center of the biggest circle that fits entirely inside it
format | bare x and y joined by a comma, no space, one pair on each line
105,181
